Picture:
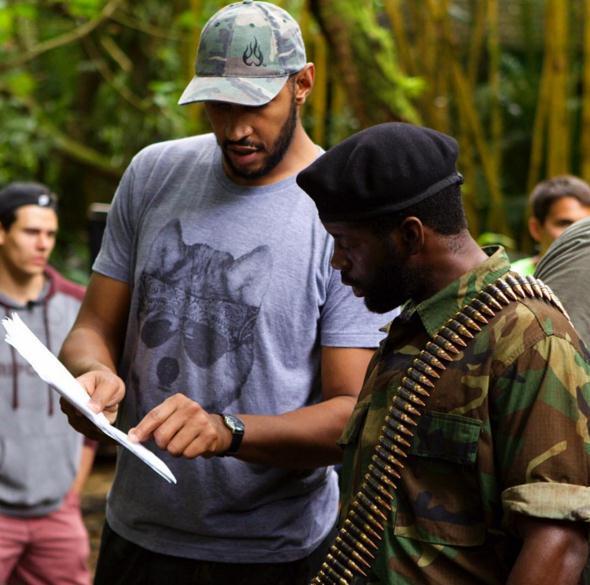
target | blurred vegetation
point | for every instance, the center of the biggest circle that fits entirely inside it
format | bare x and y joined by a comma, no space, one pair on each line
85,84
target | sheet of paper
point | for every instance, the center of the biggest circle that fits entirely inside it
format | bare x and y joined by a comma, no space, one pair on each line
52,371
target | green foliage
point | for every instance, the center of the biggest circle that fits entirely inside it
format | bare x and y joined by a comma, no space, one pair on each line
85,84
82,90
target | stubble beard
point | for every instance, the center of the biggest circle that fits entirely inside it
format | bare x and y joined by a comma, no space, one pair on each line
275,155
392,285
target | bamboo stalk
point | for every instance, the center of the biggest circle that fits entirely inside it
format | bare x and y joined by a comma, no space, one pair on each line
498,221
438,72
559,128
394,12
467,113
194,112
476,42
319,96
543,106
493,46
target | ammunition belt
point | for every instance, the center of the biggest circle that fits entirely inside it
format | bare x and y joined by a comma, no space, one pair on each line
351,555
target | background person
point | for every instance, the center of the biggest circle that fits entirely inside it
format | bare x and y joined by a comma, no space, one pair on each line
555,204
495,485
43,463
239,350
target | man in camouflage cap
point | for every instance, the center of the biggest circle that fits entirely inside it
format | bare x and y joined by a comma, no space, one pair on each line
486,436
211,307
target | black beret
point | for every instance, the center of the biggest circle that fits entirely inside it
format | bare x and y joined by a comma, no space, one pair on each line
17,195
380,170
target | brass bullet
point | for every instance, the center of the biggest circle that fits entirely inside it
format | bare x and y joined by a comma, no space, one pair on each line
410,395
443,342
497,294
405,406
388,444
339,568
515,286
506,287
332,574
322,578
380,487
432,361
390,434
466,320
371,502
475,314
438,351
385,457
399,429
399,424
382,475
360,535
355,518
487,299
351,552
425,368
453,338
368,516
365,554
346,560
544,290
456,326
530,285
421,380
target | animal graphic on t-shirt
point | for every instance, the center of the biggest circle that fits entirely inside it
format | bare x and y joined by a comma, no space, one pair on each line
197,318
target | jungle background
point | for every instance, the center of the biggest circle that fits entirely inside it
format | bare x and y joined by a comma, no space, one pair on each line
85,84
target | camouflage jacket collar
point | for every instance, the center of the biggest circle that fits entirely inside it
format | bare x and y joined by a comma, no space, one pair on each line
436,310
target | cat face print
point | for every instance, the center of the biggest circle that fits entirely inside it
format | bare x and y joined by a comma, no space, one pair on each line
197,317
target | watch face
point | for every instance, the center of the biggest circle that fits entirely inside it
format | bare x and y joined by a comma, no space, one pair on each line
234,423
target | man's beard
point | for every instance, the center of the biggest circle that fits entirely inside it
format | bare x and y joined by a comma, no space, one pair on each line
275,155
392,285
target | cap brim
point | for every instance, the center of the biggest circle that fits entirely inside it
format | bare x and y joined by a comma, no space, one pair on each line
245,91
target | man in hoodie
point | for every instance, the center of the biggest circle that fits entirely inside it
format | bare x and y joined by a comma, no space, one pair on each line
43,461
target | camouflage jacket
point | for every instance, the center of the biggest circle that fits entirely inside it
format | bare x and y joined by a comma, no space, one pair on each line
505,431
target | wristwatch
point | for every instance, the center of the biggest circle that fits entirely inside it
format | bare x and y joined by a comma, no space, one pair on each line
236,426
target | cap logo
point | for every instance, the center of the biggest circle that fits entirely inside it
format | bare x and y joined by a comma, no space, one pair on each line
253,55
44,200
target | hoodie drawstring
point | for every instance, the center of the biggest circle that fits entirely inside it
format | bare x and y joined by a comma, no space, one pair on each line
48,343
15,402
14,370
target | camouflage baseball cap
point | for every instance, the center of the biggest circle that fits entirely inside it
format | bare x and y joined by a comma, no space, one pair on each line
246,53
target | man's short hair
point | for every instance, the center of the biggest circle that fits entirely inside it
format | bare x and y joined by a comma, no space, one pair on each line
18,194
443,213
547,192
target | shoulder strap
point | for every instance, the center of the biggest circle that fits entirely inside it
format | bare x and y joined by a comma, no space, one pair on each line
352,554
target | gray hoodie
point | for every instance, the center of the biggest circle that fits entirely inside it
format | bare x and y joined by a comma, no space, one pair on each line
39,451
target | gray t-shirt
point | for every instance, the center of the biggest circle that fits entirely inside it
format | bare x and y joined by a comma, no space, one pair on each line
232,298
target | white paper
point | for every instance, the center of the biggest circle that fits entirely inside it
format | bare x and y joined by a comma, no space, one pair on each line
52,371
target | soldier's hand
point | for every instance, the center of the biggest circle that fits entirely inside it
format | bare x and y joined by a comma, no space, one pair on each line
183,428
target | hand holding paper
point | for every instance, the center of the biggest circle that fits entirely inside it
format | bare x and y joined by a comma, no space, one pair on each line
52,371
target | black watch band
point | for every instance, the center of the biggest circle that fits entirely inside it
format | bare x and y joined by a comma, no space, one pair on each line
236,426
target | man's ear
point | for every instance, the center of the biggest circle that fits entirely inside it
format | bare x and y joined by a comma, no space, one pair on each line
304,83
2,235
410,236
535,229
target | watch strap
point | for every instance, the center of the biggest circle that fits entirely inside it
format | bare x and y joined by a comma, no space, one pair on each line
236,426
